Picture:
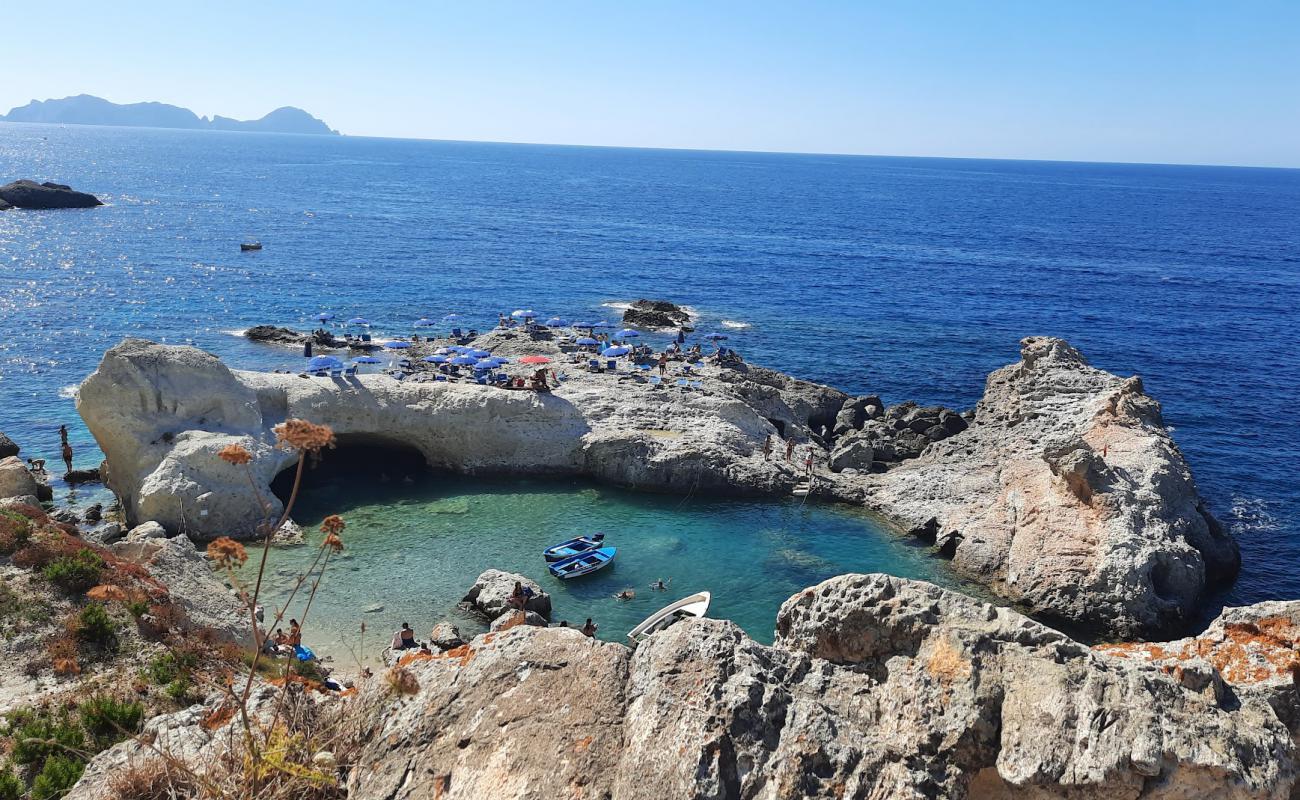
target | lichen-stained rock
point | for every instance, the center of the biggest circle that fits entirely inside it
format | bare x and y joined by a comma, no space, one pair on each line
876,687
490,594
192,585
526,713
1068,495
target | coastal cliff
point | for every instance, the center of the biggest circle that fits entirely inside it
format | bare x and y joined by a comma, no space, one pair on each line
1065,492
875,687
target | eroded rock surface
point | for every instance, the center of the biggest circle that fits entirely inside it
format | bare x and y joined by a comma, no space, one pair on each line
30,194
877,687
1067,494
657,314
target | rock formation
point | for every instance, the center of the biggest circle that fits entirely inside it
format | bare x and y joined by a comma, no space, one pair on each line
657,314
7,447
876,687
30,194
1066,494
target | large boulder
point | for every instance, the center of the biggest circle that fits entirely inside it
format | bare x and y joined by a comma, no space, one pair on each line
492,589
876,687
7,447
1066,494
30,194
657,314
16,479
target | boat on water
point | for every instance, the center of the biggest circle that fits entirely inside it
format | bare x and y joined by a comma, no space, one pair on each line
576,545
246,246
582,563
696,605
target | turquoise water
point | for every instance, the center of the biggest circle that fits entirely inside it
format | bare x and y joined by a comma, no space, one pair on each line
416,548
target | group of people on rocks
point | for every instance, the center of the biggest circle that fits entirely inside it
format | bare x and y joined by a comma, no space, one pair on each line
789,453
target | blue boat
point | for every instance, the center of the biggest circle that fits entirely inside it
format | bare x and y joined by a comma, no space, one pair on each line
579,544
582,563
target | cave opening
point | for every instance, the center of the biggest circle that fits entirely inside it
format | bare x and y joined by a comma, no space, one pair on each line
358,459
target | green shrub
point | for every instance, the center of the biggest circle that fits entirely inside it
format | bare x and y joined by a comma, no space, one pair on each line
109,720
57,777
39,737
15,532
75,573
11,788
179,690
137,608
95,626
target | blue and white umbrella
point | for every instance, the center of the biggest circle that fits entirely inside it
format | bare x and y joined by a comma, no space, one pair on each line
627,333
397,345
587,325
616,351
325,316
556,322
423,322
464,361
324,362
442,351
367,360
524,313
458,348
436,359
585,341
477,353
451,318
500,360
358,321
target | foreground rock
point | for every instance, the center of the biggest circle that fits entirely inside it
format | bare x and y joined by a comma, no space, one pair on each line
490,594
7,447
30,194
657,314
876,687
1063,492
177,564
1066,494
16,479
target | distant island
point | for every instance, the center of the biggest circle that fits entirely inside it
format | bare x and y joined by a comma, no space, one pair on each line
85,109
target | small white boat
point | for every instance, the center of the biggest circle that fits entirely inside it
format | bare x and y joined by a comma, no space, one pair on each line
697,605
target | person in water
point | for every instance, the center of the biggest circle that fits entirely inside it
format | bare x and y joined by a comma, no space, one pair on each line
626,594
67,448
660,586
590,628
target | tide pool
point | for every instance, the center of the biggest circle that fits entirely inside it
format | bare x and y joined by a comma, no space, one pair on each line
415,548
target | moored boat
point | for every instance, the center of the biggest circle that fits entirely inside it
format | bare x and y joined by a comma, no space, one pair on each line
583,563
574,546
246,246
696,605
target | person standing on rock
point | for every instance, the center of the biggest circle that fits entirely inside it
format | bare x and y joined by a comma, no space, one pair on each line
789,449
767,448
590,628
663,363
808,462
67,448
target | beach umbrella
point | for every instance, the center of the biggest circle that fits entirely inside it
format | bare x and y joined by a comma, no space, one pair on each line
477,353
367,360
358,321
457,348
523,313
324,362
534,360
436,359
616,351
424,322
397,345
451,318
500,360
587,325
556,322
325,316
585,341
464,361
441,351
627,333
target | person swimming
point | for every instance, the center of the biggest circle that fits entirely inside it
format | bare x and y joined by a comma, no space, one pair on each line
626,594
660,585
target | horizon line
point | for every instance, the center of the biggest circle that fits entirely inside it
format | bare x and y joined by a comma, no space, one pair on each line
340,135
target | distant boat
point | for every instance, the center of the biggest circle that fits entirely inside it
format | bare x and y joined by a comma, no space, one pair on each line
583,563
697,605
576,545
246,246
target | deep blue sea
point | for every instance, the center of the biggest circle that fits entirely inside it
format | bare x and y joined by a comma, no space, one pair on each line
907,277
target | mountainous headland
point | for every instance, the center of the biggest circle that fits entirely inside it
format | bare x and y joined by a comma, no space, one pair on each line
85,109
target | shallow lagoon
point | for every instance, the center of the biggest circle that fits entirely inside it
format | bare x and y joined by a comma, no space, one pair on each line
416,547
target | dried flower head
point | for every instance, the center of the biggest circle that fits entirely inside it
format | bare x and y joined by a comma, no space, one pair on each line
334,543
227,552
235,454
332,524
65,667
304,436
105,592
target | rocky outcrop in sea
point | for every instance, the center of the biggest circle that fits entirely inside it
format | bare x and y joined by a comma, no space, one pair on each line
1063,491
657,314
30,194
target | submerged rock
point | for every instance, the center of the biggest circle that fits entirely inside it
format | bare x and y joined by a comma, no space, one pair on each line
657,314
30,194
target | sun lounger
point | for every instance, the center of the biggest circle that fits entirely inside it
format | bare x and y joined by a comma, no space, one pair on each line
593,365
612,365
656,381
336,373
682,383
349,372
365,337
440,377
455,333
697,385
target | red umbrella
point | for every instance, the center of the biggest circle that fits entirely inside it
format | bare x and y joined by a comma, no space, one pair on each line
534,360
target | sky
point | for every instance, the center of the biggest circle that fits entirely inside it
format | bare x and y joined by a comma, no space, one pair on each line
1162,81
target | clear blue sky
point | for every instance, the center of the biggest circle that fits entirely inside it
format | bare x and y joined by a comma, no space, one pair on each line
1179,81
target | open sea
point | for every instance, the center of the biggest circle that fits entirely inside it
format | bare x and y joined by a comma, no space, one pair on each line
911,278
